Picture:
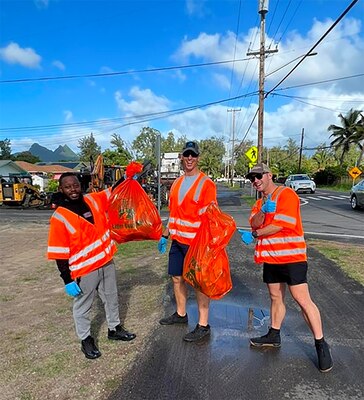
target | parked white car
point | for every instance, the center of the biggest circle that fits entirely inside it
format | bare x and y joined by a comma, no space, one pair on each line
301,182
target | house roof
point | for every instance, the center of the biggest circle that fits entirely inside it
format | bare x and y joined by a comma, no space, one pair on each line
4,163
75,165
47,169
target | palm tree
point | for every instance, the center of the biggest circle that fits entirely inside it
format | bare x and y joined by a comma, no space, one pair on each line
344,135
322,157
359,139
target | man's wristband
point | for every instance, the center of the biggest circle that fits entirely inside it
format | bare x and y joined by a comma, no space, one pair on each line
255,234
165,236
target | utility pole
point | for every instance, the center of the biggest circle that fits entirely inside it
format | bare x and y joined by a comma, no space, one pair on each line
158,156
263,9
233,110
301,148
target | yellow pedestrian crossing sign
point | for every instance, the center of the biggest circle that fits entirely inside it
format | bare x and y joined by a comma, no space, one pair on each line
251,164
252,154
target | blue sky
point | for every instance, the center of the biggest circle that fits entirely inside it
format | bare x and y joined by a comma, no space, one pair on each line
61,38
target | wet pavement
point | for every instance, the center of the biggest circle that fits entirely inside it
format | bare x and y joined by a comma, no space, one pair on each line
225,367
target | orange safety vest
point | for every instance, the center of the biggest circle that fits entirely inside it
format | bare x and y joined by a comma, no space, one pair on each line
185,217
86,246
289,244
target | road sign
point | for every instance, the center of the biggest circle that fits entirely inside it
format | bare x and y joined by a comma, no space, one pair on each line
354,172
252,154
251,164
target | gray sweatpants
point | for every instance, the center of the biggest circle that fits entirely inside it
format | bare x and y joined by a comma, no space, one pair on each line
102,281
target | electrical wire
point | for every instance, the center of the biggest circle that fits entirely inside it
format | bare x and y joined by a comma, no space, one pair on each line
314,46
54,78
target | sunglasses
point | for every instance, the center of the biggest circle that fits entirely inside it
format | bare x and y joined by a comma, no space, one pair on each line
189,153
258,175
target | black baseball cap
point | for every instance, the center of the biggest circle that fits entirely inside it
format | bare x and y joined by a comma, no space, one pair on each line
191,146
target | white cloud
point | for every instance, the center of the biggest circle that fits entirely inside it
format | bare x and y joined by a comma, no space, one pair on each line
196,7
68,116
58,64
14,54
41,3
339,55
142,102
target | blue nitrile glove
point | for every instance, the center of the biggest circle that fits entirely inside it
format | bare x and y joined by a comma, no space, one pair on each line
246,236
269,206
162,245
72,289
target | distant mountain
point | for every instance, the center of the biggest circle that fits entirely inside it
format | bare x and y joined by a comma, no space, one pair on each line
65,153
62,153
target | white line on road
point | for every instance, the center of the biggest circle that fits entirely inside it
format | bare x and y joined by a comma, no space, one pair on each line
341,235
313,198
324,198
340,198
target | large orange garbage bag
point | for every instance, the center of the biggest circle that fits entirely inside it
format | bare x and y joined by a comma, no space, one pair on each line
132,214
206,265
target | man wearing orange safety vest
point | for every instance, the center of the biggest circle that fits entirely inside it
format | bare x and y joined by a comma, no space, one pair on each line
80,243
190,195
280,245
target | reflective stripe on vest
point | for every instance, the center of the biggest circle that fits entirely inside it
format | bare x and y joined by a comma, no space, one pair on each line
86,246
180,228
285,246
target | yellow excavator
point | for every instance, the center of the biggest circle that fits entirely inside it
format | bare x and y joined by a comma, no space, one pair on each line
18,191
103,176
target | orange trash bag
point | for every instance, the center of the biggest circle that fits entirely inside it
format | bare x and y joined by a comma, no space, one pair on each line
206,265
132,214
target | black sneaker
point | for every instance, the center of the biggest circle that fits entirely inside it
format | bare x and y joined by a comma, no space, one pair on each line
271,339
198,333
324,356
174,319
120,333
89,348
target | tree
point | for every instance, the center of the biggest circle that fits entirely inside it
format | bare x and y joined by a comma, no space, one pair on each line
358,138
89,149
145,144
5,149
344,135
120,156
26,156
212,152
168,145
322,157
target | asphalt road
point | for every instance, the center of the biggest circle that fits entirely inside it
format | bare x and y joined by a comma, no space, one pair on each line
225,367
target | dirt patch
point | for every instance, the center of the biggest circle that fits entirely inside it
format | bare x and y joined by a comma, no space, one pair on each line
40,353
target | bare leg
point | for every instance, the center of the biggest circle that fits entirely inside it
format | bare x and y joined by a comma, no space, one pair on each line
203,303
311,313
278,309
180,294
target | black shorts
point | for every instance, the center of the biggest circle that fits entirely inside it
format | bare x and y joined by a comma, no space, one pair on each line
290,273
176,258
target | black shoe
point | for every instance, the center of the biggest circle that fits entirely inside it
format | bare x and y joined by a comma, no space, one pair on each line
120,333
89,348
198,333
324,356
271,339
174,319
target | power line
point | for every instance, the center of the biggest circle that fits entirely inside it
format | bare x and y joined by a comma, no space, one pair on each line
314,46
53,78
